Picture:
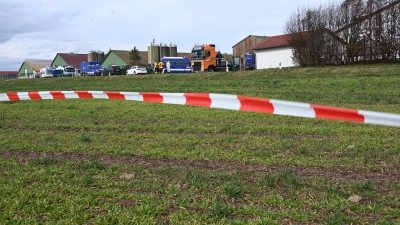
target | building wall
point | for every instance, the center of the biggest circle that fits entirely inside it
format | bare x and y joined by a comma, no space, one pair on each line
246,44
113,59
274,58
58,61
27,68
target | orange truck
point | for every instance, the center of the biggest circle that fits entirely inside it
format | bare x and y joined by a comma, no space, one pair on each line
205,58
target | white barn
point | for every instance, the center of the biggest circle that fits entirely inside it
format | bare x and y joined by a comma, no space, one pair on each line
274,52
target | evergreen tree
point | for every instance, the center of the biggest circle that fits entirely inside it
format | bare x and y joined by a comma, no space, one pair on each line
135,57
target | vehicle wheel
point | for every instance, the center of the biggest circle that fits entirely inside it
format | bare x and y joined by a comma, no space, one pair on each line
210,69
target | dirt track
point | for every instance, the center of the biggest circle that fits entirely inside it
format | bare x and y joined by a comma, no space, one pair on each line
378,177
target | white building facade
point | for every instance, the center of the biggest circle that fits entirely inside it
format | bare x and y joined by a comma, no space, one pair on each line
279,57
274,52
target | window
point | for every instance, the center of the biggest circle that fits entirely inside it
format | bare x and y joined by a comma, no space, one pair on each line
179,62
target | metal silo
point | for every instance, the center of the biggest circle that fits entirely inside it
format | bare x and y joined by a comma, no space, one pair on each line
91,56
174,50
153,53
165,51
100,56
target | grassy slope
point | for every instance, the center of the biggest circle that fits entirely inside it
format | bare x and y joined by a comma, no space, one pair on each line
87,191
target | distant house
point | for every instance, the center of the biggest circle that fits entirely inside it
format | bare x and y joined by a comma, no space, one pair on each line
274,52
72,59
30,68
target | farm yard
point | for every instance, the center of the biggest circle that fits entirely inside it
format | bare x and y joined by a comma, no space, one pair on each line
99,161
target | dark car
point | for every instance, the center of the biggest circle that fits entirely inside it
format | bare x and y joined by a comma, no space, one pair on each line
112,70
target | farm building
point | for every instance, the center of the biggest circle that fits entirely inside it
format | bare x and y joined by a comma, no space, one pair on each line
30,68
246,45
274,52
71,59
121,58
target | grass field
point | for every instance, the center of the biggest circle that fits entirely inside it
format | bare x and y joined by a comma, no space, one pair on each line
95,161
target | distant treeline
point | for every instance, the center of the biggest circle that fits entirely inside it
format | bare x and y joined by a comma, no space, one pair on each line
354,31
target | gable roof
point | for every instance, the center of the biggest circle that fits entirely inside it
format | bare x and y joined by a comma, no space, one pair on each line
124,55
257,36
273,42
37,64
73,59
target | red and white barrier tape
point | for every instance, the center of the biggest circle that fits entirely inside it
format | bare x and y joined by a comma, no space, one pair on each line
222,101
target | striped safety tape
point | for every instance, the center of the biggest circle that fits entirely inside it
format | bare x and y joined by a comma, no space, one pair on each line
222,101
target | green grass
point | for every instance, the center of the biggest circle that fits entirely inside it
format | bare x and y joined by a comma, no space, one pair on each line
94,161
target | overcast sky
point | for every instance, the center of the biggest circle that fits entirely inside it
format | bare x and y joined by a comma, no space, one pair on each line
39,29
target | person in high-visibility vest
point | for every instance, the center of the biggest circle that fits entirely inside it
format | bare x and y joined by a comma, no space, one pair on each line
156,67
160,67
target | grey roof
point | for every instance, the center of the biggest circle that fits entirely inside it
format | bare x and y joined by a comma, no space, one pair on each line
37,64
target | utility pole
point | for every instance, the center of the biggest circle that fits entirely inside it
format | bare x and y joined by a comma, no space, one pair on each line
152,51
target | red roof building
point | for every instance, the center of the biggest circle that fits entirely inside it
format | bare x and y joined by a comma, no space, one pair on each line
273,42
72,59
8,74
2,73
274,52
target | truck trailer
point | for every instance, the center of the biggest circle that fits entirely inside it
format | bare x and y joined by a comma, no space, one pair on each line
250,63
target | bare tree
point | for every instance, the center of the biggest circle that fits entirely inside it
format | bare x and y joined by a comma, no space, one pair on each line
305,31
351,32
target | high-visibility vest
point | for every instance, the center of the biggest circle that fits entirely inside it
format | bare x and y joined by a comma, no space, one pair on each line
161,64
155,64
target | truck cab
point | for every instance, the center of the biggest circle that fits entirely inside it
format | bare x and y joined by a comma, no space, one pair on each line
69,71
205,58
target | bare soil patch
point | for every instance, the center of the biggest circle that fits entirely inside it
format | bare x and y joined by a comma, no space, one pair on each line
378,177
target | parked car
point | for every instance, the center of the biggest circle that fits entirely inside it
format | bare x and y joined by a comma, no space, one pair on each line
112,70
99,72
136,70
46,74
92,68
